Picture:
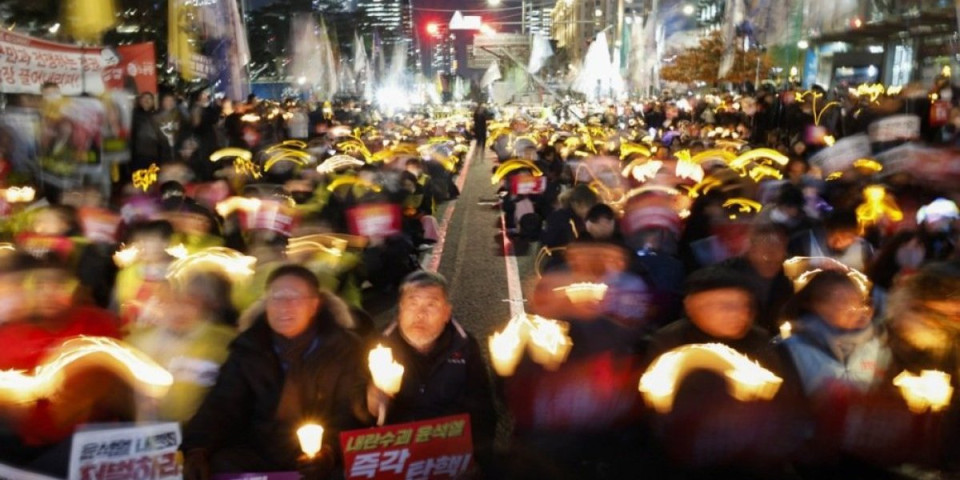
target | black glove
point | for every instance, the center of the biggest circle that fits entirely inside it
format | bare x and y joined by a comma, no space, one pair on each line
195,465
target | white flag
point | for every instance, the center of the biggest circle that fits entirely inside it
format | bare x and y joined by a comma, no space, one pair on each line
539,53
491,75
732,16
359,54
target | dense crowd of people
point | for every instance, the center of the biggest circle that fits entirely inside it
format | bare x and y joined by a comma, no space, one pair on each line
244,245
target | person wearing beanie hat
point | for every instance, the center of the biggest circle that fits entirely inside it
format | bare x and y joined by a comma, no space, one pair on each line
719,307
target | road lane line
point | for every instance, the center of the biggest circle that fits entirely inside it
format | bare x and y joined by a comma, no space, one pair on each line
514,288
431,261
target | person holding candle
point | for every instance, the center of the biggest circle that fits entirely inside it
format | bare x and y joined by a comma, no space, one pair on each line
444,372
298,363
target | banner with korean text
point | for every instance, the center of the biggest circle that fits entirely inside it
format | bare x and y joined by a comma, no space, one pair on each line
26,63
147,452
436,449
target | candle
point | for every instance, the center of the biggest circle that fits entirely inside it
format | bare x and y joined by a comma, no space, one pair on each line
311,439
387,374
785,330
505,349
929,390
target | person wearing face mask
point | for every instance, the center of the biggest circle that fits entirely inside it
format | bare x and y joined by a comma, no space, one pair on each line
834,345
789,211
444,371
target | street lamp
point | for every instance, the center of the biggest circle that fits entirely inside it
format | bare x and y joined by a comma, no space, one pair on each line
689,9
803,44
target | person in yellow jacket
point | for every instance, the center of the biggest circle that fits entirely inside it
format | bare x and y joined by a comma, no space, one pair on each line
190,344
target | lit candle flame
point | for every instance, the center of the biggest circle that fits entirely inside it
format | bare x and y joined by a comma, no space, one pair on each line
126,256
746,380
178,251
138,369
584,292
387,374
549,342
929,390
785,330
506,347
232,263
311,439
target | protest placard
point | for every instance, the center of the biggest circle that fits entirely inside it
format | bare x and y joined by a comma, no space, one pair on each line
438,448
142,452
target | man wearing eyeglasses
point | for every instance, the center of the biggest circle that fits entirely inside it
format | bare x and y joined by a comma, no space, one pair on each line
296,364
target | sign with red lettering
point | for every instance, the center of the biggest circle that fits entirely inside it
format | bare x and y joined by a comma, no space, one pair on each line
374,220
526,184
26,63
143,452
272,215
435,449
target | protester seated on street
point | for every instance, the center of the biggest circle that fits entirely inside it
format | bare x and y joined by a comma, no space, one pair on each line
762,264
601,224
445,372
296,364
189,342
34,434
136,282
566,224
719,306
834,345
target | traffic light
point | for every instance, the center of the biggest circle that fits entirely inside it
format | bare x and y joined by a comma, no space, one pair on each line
433,28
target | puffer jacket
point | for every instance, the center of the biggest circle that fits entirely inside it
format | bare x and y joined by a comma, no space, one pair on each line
241,409
824,356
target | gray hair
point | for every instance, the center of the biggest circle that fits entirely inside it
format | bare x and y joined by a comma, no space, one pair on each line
425,279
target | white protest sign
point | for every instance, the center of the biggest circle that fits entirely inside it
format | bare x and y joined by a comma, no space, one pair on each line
895,128
142,452
842,154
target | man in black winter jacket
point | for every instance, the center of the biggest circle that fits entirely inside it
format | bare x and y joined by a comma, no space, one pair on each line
444,370
297,364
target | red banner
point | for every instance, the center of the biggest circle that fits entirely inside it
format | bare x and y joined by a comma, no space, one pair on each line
27,62
137,67
436,449
526,184
374,220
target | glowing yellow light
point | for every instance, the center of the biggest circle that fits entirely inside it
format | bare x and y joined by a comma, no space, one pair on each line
868,164
643,169
139,370
703,187
232,263
506,347
280,153
746,380
311,439
828,140
877,204
145,177
352,180
627,149
244,166
6,246
549,342
231,152
511,165
126,256
584,292
834,176
744,205
945,71
178,251
929,390
686,168
739,164
386,373
353,145
785,330
338,162
871,91
232,204
250,118
760,172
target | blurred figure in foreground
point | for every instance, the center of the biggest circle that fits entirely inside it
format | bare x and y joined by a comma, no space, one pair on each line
296,364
